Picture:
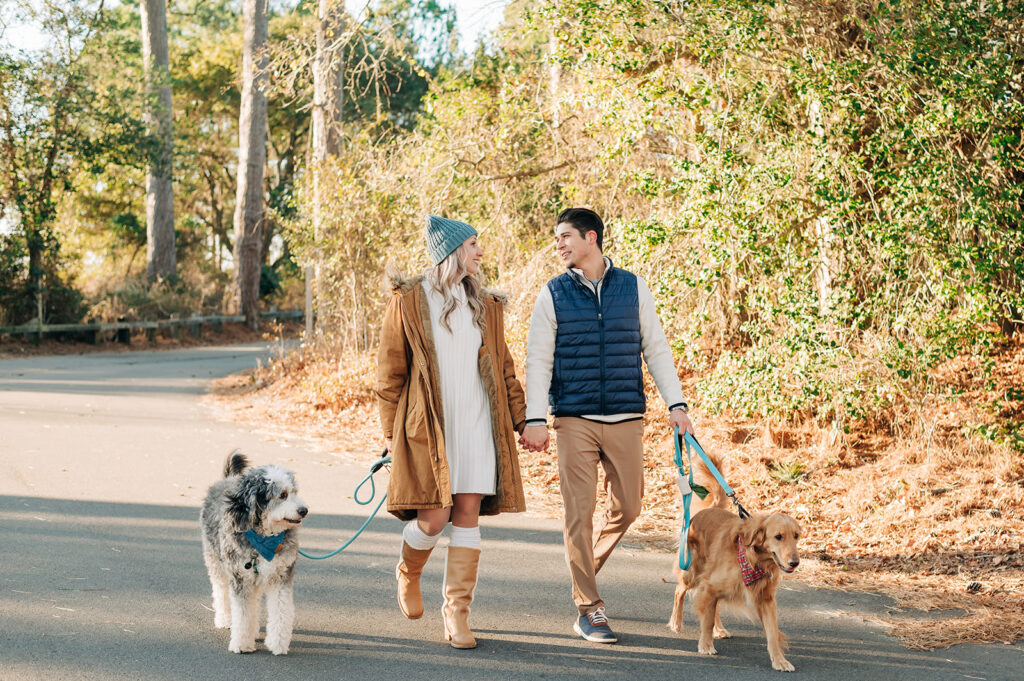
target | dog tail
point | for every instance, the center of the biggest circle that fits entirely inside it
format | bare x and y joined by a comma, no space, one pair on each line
235,464
702,476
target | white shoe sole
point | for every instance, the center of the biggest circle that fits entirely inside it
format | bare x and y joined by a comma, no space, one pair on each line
576,628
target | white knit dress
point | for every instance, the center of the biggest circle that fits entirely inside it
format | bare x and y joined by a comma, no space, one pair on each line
468,437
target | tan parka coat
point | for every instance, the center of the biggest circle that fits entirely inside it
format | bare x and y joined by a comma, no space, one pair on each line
408,394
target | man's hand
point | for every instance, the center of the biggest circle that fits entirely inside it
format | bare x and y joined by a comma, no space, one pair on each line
535,438
678,417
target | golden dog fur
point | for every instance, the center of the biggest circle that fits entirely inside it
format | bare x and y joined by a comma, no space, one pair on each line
715,576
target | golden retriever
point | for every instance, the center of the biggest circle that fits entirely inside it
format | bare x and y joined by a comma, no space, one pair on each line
717,540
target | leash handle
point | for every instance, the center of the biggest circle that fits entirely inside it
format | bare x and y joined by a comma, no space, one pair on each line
684,546
381,462
684,478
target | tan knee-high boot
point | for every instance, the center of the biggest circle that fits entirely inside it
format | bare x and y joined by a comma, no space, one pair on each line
459,582
410,599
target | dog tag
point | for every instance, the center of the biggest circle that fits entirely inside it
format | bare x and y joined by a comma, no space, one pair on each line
684,485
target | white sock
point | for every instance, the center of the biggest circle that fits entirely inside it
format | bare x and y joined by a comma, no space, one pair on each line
417,538
468,537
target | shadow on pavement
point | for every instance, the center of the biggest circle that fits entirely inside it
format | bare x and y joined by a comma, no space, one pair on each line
95,590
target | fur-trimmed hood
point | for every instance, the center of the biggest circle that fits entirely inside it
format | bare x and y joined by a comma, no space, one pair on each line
396,281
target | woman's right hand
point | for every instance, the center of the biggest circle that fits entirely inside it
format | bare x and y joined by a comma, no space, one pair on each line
535,438
387,443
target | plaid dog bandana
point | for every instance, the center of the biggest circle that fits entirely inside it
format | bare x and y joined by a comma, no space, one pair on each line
751,573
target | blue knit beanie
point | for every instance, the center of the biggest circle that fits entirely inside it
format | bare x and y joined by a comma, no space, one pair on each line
444,236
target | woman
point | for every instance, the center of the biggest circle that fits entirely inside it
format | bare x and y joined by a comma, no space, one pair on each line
450,406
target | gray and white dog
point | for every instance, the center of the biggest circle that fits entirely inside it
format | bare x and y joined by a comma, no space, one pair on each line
250,545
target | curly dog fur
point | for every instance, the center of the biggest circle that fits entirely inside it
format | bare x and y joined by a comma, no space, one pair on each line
263,499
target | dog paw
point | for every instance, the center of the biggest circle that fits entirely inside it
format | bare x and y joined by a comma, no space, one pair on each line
276,646
239,647
222,622
706,649
674,627
722,632
782,665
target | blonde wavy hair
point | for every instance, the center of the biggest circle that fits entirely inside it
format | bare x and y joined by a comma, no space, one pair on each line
448,274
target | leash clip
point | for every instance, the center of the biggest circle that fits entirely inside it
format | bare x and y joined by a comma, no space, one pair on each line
744,513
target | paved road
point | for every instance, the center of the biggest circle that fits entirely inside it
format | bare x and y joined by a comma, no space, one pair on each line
104,460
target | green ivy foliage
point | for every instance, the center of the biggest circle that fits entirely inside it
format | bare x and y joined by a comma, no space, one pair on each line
834,202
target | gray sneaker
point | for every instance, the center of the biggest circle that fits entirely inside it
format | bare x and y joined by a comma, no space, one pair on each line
594,627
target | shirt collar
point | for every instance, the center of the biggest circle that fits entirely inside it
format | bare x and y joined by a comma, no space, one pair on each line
578,273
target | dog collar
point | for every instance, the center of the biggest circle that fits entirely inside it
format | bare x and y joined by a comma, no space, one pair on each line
751,573
267,547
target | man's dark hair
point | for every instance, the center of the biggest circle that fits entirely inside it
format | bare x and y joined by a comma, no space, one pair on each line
583,220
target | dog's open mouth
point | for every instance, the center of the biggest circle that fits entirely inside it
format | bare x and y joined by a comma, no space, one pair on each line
786,569
293,521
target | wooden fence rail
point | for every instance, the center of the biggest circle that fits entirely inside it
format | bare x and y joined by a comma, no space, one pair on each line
194,322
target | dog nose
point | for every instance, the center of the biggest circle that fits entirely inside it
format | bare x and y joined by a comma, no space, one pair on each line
793,562
303,511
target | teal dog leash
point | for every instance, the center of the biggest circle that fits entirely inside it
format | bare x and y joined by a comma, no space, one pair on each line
688,488
377,465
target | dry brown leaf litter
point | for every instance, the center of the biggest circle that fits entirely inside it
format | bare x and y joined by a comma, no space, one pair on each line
12,346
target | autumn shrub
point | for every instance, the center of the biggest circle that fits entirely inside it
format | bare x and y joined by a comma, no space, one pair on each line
824,200
15,302
832,195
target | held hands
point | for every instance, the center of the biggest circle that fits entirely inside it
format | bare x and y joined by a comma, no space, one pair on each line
535,438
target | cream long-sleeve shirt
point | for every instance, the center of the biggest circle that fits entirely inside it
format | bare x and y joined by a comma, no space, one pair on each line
540,352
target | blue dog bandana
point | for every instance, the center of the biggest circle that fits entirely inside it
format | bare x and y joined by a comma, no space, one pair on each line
265,546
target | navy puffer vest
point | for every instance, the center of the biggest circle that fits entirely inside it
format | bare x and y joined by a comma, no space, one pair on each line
597,367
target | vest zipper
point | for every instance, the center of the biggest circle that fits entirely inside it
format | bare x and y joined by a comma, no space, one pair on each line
600,326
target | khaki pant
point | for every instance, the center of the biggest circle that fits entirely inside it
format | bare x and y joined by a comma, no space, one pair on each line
582,445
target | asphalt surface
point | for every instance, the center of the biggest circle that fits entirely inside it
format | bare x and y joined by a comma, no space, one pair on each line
104,460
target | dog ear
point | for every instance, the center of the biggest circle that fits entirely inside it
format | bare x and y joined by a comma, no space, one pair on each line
753,531
247,501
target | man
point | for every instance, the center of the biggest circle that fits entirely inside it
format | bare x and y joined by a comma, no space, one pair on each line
589,329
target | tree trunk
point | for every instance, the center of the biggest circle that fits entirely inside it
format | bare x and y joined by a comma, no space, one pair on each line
824,230
161,260
252,157
36,244
555,72
328,78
